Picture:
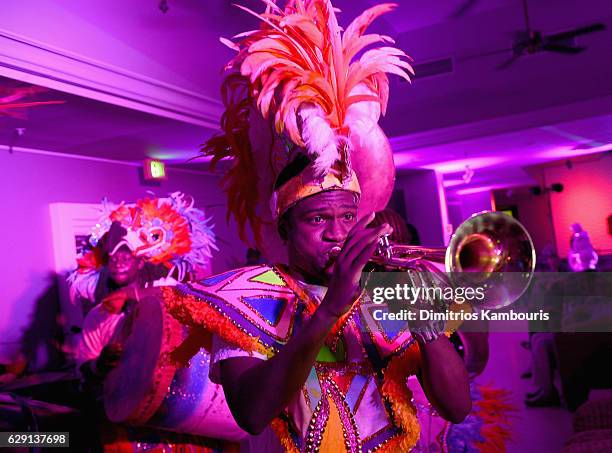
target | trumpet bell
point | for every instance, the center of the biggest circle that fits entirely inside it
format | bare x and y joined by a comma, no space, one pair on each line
490,249
490,242
495,251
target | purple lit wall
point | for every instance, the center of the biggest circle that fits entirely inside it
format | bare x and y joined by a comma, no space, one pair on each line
532,213
423,205
30,182
586,199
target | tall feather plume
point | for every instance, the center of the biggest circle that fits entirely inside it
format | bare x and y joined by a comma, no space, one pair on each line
240,181
303,43
303,71
319,138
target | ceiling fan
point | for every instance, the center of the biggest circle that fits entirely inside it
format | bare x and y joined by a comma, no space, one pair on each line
531,41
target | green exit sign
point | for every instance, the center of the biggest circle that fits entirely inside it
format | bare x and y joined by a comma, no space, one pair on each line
154,169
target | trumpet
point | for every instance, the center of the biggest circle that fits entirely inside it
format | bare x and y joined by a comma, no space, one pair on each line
491,249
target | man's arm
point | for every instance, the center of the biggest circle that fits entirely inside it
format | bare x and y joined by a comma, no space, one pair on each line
100,366
115,301
258,391
444,379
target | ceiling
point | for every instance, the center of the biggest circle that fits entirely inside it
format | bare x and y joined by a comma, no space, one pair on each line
543,107
92,128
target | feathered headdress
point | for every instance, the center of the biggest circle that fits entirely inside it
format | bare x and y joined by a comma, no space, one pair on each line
300,84
167,231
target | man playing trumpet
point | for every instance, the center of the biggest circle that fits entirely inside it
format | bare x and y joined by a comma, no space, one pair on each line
294,346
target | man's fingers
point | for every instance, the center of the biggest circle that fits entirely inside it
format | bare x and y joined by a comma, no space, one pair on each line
360,261
359,226
357,235
359,256
364,221
357,244
364,256
363,239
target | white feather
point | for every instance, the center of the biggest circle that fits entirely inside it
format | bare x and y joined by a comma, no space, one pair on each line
320,139
362,117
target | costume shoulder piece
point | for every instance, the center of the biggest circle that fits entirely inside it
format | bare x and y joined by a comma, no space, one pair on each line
250,303
383,338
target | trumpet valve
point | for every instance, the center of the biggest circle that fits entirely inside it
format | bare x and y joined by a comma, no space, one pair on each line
384,246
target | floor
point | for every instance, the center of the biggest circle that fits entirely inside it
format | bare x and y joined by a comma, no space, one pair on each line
544,430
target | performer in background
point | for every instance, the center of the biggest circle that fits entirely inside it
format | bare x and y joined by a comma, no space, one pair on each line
152,243
304,365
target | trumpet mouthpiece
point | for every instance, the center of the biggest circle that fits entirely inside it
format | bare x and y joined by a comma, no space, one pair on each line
335,251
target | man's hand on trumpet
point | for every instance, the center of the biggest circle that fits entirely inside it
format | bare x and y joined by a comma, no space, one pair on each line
348,263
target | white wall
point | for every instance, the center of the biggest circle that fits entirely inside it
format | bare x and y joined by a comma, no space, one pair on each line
29,184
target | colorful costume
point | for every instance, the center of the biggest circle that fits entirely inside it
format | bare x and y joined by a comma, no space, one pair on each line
355,395
175,239
168,232
302,102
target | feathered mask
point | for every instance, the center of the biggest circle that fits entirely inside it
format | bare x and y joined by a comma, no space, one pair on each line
167,231
301,85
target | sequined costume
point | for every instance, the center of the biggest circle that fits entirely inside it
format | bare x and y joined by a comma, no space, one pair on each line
356,391
303,89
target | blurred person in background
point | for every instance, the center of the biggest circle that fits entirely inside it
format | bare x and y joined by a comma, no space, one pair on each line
544,359
582,256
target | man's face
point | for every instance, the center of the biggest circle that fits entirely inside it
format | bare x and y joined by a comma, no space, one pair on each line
315,226
124,267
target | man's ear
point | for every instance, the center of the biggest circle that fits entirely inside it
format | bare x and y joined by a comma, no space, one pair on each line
284,224
141,263
283,231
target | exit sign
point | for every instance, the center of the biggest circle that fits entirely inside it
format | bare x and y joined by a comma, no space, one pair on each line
154,170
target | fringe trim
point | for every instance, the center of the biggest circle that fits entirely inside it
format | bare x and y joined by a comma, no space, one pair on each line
281,429
191,310
396,391
494,409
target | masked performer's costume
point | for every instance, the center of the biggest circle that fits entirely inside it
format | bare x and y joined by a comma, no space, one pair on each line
175,241
173,238
169,233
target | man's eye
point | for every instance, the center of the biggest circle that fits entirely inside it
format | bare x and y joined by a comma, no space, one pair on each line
316,219
349,216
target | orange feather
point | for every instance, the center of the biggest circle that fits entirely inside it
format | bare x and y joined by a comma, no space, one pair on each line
299,55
